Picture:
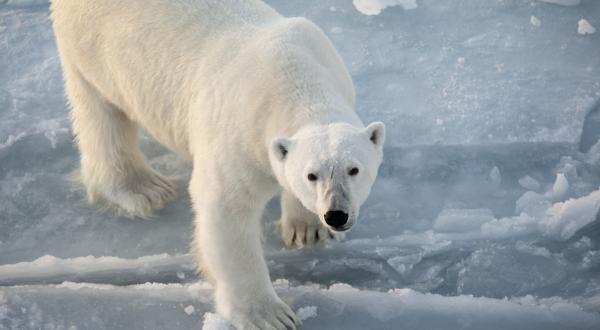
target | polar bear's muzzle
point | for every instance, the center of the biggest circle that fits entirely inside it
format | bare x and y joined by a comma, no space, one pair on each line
336,210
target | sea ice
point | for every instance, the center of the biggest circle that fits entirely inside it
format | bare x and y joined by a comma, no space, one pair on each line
593,155
488,189
529,183
568,3
212,321
306,312
565,218
584,27
495,176
374,7
536,204
27,2
560,187
189,310
462,220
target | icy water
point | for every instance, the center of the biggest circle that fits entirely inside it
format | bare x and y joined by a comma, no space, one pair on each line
485,214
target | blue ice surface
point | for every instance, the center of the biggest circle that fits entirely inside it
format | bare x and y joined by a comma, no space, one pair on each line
475,98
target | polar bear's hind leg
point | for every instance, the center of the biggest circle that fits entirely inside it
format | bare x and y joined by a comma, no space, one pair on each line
113,169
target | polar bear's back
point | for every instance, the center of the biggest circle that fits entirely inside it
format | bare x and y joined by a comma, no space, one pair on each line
156,59
142,54
146,39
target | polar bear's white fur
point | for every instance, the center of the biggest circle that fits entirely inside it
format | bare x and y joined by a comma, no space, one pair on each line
257,101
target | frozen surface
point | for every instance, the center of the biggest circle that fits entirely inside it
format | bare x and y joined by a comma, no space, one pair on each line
563,2
485,214
374,7
340,307
564,219
584,27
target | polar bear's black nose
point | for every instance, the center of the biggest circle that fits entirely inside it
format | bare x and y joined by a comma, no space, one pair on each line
336,219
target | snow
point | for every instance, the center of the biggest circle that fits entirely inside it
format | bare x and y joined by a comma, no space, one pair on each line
529,183
584,27
495,176
485,213
52,269
568,3
213,321
307,312
27,2
564,219
189,310
461,220
560,187
150,306
374,7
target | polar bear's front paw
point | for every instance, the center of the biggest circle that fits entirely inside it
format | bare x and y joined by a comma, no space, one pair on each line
305,233
255,314
135,195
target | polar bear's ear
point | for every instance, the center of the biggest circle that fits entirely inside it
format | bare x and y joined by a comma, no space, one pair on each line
280,148
376,133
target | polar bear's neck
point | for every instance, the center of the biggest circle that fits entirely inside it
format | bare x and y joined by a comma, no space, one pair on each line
315,103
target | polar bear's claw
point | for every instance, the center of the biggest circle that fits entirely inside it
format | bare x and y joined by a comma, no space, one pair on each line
304,233
275,315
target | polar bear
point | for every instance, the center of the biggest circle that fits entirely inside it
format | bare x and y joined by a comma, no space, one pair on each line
258,102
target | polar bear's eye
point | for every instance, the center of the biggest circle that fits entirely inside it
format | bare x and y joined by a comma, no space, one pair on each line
353,171
312,177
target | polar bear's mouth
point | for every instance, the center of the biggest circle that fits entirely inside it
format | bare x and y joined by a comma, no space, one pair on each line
342,229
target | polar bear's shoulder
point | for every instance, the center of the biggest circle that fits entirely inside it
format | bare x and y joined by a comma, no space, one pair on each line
294,30
295,37
297,25
298,46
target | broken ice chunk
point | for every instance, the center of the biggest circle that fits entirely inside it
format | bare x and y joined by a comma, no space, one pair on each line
560,187
307,312
462,220
529,183
584,27
213,321
374,7
564,219
189,310
495,176
568,3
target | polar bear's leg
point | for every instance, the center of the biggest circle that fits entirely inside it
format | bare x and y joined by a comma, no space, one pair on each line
113,169
227,242
298,226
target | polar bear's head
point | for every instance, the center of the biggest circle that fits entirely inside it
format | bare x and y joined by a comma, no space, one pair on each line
330,168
